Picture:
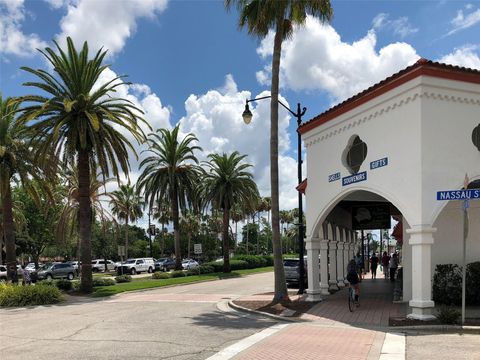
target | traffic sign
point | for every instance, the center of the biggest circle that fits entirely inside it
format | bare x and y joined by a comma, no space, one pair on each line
458,194
197,249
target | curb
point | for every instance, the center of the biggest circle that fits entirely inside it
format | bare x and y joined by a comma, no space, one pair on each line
234,306
438,328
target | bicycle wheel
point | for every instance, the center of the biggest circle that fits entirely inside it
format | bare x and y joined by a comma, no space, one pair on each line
351,299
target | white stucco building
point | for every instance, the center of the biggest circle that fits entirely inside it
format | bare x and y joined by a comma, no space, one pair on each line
412,135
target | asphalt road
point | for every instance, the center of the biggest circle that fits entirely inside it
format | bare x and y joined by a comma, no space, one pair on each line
183,322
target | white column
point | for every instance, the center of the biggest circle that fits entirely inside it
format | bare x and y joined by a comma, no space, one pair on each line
340,265
346,253
324,267
313,270
332,252
421,240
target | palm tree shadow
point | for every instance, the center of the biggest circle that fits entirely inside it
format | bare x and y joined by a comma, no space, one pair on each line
222,320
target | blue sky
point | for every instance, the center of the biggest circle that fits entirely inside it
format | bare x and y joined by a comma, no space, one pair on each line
189,62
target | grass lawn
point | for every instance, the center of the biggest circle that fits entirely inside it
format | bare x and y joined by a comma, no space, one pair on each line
148,283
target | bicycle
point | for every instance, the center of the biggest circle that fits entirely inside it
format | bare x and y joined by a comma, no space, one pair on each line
352,303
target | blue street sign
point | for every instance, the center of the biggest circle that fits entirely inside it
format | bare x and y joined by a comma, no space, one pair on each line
354,178
334,177
458,194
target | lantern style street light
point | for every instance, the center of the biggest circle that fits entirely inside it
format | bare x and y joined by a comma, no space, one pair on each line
247,118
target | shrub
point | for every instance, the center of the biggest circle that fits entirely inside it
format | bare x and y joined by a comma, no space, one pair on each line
103,282
75,285
178,273
160,275
65,285
41,294
217,266
268,259
447,284
473,281
448,315
253,261
123,278
238,264
206,269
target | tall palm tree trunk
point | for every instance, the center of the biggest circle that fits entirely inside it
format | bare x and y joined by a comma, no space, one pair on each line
226,252
85,220
188,245
281,293
8,229
176,227
126,238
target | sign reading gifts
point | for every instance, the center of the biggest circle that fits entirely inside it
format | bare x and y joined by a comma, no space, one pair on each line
358,177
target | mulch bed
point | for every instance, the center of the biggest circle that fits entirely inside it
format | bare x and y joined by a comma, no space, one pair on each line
299,306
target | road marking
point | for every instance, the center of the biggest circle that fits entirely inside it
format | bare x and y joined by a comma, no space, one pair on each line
238,347
393,347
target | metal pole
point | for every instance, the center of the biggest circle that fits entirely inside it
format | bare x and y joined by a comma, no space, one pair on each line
301,286
363,254
381,243
464,267
150,233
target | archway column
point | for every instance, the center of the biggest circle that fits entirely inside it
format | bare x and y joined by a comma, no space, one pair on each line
324,267
421,240
313,271
332,251
346,253
340,265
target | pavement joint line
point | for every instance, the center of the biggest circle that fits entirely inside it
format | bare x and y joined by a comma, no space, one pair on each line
244,344
393,347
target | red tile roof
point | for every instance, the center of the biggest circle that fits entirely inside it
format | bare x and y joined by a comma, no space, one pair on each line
421,67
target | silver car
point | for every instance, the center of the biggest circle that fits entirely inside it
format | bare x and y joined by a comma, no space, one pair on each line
56,271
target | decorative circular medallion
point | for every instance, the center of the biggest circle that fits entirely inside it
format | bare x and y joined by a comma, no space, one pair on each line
476,137
354,154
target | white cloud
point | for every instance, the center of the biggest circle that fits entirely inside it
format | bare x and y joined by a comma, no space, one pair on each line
316,58
464,21
400,26
57,4
12,39
464,56
215,118
107,23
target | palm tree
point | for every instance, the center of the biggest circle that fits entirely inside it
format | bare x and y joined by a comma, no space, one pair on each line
16,163
163,214
228,182
80,120
190,224
236,215
260,16
170,174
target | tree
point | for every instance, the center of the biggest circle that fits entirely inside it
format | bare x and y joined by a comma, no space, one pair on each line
227,183
260,16
16,163
170,174
190,225
127,206
80,120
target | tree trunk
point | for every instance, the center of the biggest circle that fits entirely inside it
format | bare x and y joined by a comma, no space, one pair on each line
85,220
188,245
176,229
126,238
8,229
248,232
281,293
226,252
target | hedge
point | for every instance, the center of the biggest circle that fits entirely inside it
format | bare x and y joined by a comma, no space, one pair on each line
160,275
240,262
447,284
177,273
103,282
123,278
17,295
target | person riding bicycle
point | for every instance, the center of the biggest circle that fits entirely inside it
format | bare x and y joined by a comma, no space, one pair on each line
352,277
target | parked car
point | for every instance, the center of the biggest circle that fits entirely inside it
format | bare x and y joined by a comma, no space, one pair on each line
168,265
159,263
189,264
56,271
99,265
3,273
136,266
292,270
31,267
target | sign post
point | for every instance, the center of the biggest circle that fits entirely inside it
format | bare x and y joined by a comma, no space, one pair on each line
466,195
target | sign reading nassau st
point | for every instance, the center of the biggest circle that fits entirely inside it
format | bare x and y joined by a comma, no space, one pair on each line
458,194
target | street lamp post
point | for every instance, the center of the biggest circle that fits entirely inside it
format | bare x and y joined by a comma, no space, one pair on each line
247,118
151,230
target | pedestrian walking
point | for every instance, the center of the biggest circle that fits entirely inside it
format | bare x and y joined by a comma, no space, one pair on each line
393,265
374,265
385,262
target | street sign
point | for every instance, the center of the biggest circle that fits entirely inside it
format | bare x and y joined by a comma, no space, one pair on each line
121,250
197,249
458,194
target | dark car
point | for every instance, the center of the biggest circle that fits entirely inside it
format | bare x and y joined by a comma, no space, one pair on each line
159,263
292,270
168,264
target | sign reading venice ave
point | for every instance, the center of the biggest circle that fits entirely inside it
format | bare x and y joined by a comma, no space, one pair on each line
458,194
355,178
379,163
334,177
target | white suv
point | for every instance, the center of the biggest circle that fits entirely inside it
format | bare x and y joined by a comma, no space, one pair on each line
136,266
99,265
